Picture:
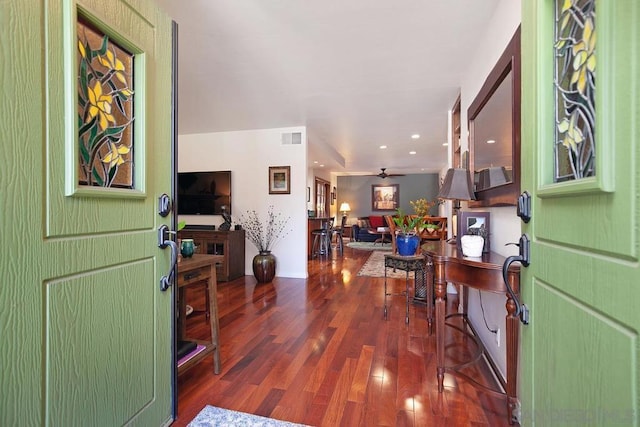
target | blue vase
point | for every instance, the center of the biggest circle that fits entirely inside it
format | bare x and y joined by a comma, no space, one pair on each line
407,244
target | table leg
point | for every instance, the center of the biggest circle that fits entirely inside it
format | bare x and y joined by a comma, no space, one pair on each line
441,292
428,283
406,295
213,321
385,291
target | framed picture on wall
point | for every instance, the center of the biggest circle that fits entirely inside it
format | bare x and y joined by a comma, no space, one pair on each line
472,222
385,197
279,179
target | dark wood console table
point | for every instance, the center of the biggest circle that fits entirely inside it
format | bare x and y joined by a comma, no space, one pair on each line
485,274
228,244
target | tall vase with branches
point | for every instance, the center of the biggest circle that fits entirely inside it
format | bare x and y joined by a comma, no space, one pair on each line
264,234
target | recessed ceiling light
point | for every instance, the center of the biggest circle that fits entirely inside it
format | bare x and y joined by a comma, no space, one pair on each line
415,136
412,152
321,166
315,162
382,147
491,141
446,144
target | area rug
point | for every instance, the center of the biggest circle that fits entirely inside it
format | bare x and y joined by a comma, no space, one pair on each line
370,246
374,267
211,416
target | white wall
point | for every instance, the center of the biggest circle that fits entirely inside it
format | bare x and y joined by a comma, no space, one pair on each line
505,225
248,155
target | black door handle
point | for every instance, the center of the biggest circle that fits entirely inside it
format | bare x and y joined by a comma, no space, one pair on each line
523,257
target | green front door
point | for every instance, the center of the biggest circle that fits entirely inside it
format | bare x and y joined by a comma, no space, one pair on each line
580,351
85,331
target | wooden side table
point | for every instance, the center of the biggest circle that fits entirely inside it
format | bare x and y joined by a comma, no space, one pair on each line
485,274
414,263
193,271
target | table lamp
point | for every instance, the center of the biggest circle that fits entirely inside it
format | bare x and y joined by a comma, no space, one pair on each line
344,207
456,186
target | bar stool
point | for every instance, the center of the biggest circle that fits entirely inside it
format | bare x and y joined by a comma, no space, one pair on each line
322,239
339,233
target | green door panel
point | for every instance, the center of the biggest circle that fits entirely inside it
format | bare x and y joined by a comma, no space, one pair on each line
579,353
85,332
607,233
561,397
85,356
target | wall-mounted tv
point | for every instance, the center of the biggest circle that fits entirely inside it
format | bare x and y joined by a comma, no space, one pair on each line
204,193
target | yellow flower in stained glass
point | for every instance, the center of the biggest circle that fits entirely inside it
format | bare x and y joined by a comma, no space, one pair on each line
573,135
584,56
83,52
114,64
100,106
114,156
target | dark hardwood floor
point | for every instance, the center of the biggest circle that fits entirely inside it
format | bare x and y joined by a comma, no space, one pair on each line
319,352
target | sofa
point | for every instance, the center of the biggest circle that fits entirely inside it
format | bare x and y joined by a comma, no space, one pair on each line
362,230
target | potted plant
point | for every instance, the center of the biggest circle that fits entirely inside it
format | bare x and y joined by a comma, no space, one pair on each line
408,236
264,236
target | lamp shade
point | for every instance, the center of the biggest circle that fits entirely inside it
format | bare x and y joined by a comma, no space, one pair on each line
344,207
457,185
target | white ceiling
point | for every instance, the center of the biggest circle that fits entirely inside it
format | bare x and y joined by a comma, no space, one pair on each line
357,73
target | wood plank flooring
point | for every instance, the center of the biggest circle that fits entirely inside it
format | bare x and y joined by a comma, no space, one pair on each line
319,352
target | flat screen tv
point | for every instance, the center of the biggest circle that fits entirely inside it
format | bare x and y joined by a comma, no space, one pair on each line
204,193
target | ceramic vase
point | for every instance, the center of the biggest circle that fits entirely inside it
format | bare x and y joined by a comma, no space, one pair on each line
264,267
472,245
187,248
407,244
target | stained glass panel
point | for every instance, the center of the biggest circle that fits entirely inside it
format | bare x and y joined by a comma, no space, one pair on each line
105,110
575,80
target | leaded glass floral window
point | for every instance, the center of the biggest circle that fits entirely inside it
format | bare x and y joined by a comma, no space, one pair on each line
575,81
105,110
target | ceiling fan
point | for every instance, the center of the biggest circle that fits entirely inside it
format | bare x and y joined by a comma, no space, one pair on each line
383,174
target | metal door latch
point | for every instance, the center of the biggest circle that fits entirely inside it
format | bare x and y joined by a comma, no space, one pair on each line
164,205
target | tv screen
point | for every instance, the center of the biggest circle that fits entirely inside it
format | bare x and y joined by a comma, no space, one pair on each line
204,193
